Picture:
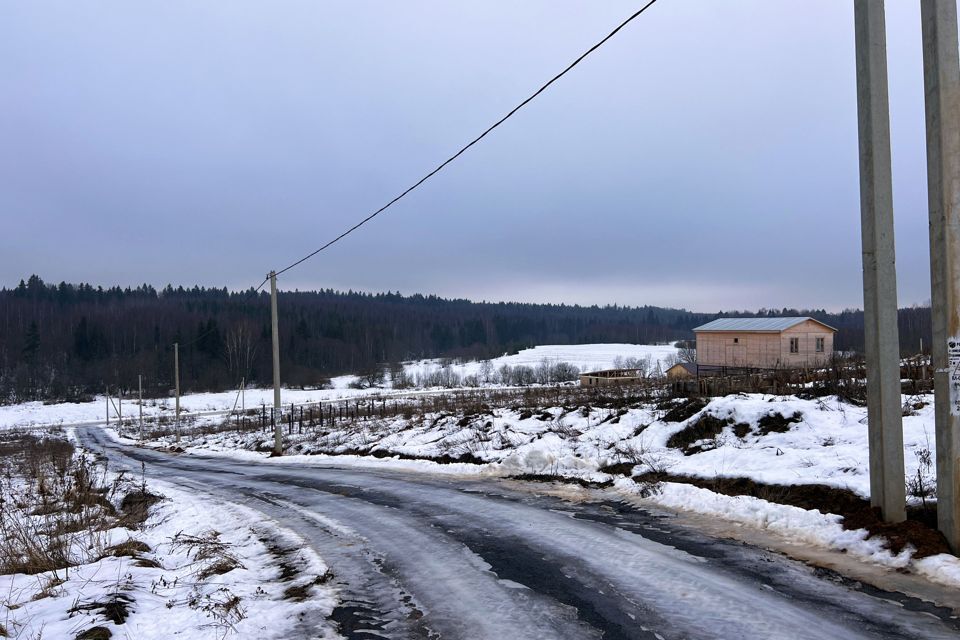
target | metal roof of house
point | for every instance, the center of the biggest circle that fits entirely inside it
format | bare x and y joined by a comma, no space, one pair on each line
755,324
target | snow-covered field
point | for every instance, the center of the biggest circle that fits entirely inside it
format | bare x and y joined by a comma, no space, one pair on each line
583,356
30,414
586,357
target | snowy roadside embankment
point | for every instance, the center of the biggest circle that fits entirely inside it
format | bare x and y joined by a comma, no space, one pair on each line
777,441
153,561
769,439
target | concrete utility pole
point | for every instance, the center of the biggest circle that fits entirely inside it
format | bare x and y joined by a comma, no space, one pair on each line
176,383
277,431
882,342
106,394
941,76
140,402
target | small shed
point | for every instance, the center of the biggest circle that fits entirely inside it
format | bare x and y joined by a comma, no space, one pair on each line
682,370
764,343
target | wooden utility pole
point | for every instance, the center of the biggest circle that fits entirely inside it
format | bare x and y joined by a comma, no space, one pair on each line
941,78
176,383
277,431
881,339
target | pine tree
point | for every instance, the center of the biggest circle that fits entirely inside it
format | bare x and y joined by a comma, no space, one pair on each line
31,342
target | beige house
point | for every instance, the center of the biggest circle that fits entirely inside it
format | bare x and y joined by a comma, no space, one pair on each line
764,343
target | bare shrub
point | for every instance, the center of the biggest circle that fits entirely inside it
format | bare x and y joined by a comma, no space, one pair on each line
54,506
923,484
211,554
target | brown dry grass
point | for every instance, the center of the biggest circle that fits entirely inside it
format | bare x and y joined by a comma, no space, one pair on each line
55,504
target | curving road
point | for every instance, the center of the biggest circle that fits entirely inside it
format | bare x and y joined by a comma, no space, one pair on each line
423,556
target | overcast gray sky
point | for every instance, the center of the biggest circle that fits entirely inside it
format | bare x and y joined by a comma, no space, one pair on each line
704,158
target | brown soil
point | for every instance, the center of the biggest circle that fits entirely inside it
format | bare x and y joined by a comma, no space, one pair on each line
741,430
115,609
136,507
918,530
546,477
706,427
681,412
225,565
129,548
619,469
147,562
467,458
777,423
302,592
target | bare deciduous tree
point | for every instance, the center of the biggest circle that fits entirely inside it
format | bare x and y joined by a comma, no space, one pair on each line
240,349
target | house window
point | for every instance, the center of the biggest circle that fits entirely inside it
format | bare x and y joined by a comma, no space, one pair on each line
736,341
794,345
820,342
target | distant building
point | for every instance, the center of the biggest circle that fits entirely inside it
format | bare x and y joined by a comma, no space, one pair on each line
764,343
609,377
682,370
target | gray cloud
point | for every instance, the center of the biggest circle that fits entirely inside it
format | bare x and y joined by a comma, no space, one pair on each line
705,158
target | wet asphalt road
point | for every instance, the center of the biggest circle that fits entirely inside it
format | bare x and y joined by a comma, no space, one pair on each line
431,556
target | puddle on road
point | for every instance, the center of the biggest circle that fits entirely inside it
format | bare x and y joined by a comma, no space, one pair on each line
358,620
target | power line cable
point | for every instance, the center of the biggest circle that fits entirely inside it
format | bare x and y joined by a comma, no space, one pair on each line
468,145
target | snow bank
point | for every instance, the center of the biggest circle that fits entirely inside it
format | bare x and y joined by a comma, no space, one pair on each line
170,599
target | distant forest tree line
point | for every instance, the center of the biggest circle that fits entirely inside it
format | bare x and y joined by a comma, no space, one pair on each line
67,341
